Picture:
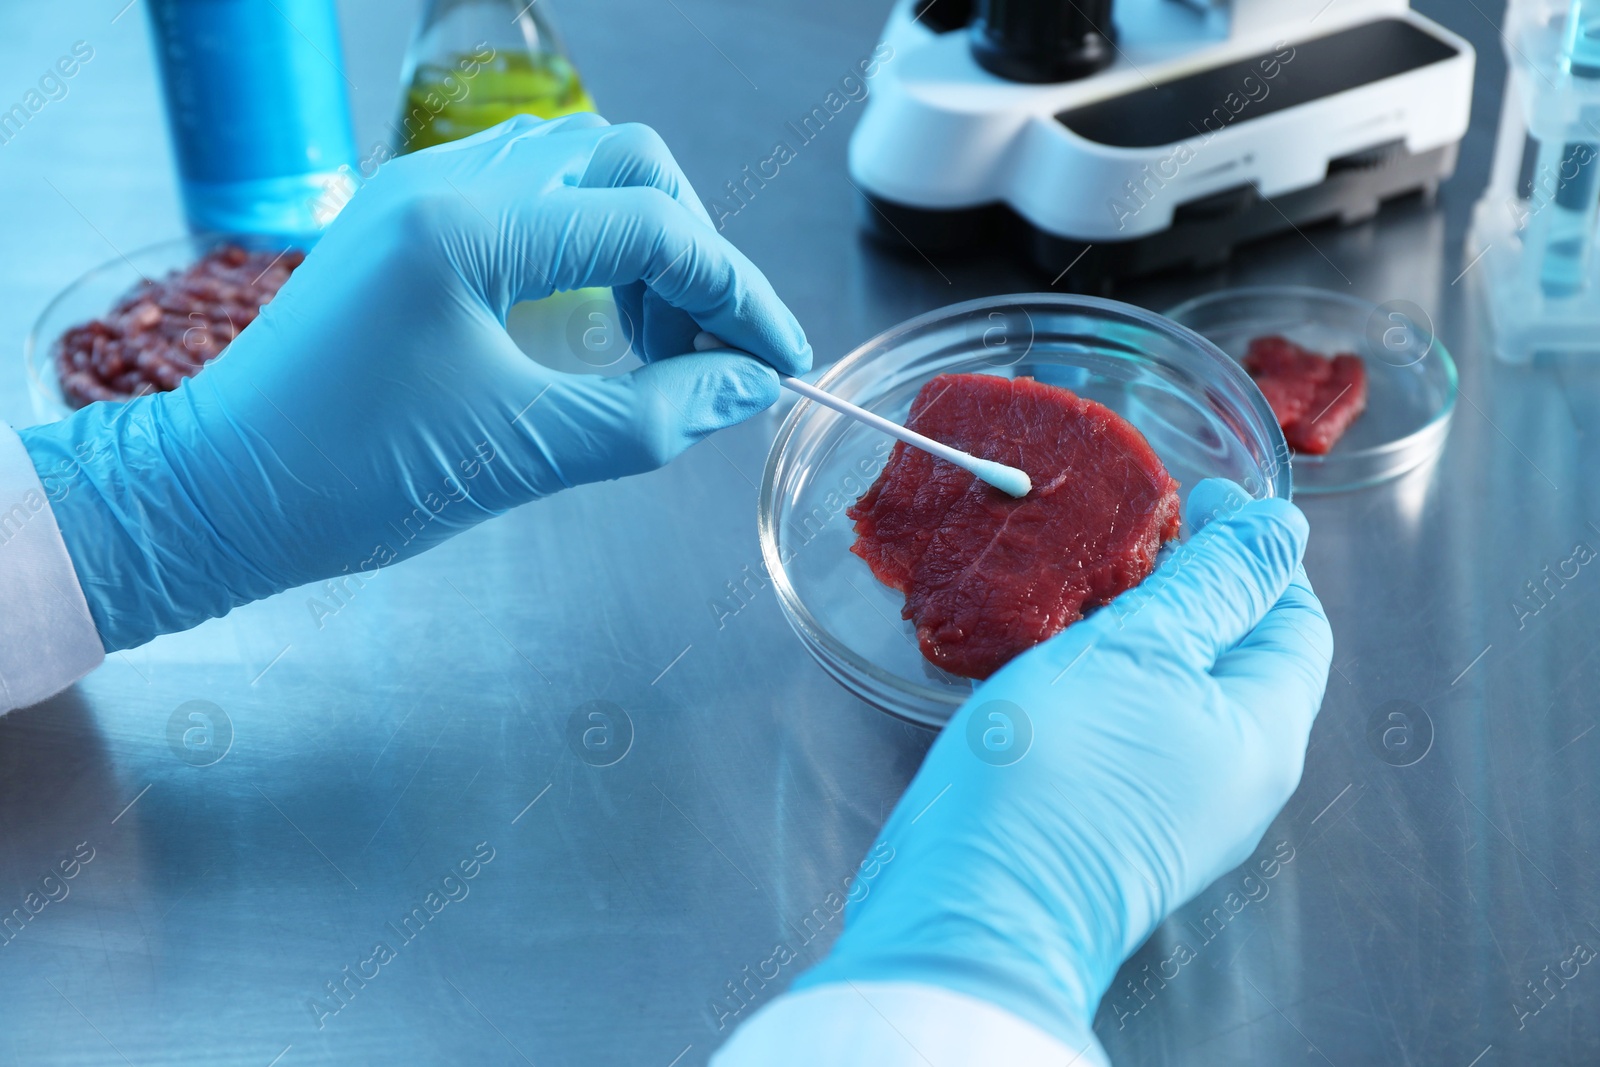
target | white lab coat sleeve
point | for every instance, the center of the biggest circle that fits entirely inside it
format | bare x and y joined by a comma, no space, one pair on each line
47,636
897,1024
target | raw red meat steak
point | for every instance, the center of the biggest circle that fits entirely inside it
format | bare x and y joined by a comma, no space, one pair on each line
1315,398
986,576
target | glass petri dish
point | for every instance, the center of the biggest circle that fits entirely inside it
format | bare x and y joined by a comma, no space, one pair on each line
1197,407
1411,379
94,294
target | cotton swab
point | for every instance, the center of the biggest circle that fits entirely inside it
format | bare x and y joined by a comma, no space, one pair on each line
1008,480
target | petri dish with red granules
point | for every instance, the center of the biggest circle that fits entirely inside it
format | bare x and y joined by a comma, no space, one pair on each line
144,322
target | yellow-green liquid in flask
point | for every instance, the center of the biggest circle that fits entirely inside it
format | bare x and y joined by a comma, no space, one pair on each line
449,101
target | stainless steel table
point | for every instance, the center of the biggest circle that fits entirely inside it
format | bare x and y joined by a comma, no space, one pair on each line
1436,910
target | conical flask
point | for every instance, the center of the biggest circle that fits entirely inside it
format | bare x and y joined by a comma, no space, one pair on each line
475,63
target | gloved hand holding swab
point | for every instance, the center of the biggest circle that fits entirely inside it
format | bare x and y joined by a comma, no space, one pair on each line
1008,480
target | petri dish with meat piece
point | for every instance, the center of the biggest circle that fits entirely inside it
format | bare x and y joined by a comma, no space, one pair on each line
1407,376
144,322
1196,407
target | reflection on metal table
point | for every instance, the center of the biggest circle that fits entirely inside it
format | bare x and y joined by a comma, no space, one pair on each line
404,760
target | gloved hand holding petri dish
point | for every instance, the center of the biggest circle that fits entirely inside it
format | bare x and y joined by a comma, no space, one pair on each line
1147,748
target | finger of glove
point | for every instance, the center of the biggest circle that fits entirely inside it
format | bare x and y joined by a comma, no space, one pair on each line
633,154
520,126
1218,585
617,236
1212,498
655,328
1279,671
630,303
591,428
699,395
668,331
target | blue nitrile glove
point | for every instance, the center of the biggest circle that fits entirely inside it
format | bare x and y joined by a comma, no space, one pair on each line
1167,730
378,406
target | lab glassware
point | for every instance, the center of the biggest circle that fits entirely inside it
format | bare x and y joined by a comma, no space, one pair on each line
1565,232
1534,229
1195,405
95,293
475,63
258,111
1411,379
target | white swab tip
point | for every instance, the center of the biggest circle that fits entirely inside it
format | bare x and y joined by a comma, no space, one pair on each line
1008,480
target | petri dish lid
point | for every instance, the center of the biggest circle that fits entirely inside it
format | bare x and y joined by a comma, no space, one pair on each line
1411,379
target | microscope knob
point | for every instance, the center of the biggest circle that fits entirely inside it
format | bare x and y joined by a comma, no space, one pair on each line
1043,40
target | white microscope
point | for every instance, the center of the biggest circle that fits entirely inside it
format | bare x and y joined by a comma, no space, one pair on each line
1107,144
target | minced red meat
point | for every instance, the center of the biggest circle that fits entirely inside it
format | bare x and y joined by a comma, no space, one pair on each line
1315,398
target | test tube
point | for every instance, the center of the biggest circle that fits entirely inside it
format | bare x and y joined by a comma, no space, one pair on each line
1565,226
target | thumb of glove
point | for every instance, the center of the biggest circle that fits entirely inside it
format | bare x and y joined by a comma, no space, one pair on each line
594,428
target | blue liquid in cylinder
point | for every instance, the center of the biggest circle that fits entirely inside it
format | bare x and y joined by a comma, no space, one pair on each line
258,112
1569,232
